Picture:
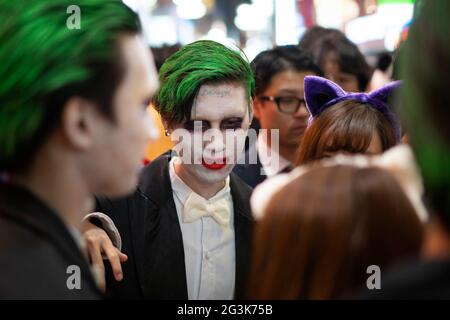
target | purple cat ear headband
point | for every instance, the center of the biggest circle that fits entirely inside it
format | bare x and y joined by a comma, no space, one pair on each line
321,93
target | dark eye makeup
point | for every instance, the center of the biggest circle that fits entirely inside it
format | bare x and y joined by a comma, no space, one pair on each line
200,124
226,124
231,123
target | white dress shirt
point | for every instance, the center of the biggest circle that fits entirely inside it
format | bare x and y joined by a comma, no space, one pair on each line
272,162
209,248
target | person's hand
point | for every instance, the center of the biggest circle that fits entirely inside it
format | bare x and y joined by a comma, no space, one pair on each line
98,242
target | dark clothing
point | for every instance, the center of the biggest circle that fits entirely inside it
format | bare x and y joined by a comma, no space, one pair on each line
152,239
36,249
250,173
419,280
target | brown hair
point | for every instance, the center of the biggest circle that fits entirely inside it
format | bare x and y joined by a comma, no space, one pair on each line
345,126
321,231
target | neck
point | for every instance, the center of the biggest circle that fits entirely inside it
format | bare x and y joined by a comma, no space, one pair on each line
59,186
286,151
206,190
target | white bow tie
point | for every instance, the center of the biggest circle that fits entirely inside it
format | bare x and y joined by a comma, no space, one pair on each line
197,207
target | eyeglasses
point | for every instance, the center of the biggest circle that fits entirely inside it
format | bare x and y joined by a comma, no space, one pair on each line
286,104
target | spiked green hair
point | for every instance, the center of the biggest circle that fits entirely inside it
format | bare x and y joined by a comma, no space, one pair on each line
425,66
200,62
43,63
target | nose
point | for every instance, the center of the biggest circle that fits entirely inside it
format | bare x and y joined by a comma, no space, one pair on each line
213,141
302,112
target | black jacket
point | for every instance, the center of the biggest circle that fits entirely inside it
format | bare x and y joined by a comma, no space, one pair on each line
152,239
424,280
250,172
36,250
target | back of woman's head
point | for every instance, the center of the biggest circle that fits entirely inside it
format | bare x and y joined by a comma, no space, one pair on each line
349,127
321,231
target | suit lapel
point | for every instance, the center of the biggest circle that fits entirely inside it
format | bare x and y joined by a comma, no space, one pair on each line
248,170
243,224
259,171
160,243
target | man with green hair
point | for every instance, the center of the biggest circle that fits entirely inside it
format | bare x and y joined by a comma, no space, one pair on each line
425,66
72,124
186,230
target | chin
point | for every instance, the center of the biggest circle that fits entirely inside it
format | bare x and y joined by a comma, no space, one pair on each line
213,176
122,188
294,142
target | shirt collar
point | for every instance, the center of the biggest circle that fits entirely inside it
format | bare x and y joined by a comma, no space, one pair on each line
269,157
182,191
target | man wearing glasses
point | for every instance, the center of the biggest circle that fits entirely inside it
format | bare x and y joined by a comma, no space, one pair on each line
280,109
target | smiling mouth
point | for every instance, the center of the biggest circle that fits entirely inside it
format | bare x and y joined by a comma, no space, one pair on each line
214,165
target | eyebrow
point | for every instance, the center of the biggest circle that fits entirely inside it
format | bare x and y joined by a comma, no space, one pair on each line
222,119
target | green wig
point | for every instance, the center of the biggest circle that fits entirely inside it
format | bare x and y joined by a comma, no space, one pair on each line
200,62
425,66
43,62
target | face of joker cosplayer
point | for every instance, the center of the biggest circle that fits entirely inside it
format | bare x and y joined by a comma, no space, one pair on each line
211,141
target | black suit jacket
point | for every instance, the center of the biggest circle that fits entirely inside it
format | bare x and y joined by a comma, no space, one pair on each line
35,251
249,172
152,239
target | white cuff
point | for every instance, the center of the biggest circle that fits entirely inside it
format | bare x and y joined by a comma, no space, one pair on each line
109,227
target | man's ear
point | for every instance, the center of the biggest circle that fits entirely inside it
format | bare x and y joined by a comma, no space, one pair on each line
167,127
80,121
257,106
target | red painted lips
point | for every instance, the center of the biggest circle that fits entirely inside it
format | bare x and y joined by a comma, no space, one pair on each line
214,165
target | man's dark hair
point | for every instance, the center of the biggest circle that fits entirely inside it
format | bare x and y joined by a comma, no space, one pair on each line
269,63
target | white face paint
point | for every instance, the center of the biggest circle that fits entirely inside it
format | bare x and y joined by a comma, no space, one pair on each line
214,137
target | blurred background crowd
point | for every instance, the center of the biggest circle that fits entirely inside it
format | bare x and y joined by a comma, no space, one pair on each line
371,31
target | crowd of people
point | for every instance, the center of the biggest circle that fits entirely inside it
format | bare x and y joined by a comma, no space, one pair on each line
347,175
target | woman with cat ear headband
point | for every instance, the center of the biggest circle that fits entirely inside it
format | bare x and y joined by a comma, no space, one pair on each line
347,123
